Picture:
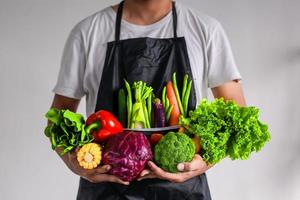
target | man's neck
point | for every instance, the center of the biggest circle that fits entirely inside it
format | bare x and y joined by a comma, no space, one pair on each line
144,12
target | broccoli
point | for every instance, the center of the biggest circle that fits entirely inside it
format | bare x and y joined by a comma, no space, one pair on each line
172,149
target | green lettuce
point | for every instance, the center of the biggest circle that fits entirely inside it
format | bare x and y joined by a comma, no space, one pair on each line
226,129
67,130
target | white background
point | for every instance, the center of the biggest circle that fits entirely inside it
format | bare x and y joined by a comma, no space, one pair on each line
265,37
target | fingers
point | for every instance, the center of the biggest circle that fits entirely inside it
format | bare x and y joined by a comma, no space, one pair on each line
148,176
179,177
99,174
97,178
145,172
96,175
155,169
160,173
196,164
110,178
102,169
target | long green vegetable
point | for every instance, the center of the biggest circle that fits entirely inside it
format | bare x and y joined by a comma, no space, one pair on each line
168,112
147,119
122,106
129,103
177,93
187,97
140,115
167,102
67,130
149,107
184,86
163,97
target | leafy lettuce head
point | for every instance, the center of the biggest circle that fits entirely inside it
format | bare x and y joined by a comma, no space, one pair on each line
226,129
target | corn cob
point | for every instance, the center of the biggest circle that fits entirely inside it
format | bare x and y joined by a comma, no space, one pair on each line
89,156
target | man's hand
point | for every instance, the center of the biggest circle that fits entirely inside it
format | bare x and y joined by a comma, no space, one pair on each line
96,175
187,171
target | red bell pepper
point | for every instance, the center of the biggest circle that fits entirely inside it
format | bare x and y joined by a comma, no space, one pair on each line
102,125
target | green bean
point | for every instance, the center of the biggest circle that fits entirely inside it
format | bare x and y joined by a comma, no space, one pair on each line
149,105
177,93
163,98
147,124
169,113
167,103
185,82
129,103
187,96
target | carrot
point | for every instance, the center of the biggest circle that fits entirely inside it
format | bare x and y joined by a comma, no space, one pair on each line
174,118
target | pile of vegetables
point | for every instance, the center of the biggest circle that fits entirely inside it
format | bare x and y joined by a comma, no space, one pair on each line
226,129
128,154
172,149
217,129
69,130
139,108
174,104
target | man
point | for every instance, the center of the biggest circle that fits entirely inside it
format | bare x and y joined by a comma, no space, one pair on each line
144,40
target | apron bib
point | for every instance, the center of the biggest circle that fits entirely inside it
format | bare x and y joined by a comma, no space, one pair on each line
152,61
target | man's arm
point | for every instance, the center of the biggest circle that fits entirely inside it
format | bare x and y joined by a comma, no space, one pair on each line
62,102
231,90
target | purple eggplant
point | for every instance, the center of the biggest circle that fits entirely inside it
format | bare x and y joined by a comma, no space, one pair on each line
159,114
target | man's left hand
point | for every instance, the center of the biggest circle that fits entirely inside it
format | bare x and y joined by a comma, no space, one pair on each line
186,171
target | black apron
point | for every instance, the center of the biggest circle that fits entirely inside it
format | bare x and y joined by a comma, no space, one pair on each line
152,61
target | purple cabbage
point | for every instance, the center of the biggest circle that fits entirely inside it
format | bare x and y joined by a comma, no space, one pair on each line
127,153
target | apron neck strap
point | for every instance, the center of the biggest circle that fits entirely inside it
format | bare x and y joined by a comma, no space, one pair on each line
174,14
119,19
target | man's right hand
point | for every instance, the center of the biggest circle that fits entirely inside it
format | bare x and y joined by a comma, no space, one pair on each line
96,175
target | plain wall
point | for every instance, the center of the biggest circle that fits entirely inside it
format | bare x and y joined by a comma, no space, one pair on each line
265,37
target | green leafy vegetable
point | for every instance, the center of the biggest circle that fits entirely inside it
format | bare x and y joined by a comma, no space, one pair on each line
67,130
226,129
173,149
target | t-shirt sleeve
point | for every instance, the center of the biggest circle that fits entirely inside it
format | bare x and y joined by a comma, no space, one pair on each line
221,63
71,74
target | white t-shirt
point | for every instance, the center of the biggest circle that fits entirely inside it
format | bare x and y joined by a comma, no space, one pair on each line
82,63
